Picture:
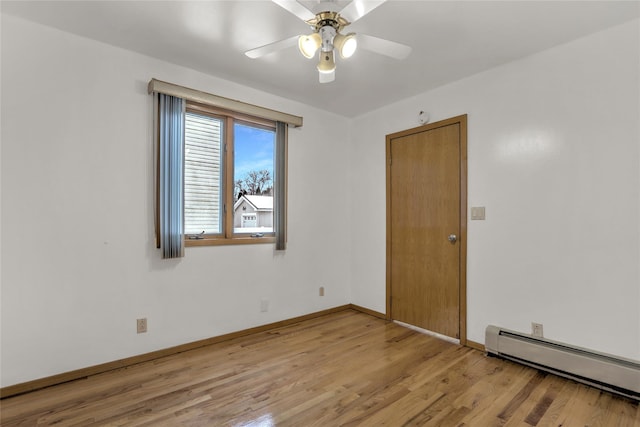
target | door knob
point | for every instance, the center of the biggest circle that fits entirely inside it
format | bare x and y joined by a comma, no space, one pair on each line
453,238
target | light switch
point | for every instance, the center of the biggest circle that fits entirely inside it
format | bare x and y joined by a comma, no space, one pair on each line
477,213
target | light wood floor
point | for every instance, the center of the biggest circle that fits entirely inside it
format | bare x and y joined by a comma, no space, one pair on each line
346,368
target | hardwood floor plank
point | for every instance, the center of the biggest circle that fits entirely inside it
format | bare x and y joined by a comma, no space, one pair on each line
491,395
623,413
522,396
461,375
566,391
543,404
580,407
343,369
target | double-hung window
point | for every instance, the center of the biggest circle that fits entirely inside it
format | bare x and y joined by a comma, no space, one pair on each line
229,177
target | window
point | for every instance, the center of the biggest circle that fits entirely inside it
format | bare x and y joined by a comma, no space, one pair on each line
253,165
203,141
228,177
220,170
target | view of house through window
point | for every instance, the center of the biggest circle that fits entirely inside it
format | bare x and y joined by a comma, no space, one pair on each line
253,179
251,155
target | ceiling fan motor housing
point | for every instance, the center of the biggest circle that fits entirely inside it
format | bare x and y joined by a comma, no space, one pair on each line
324,19
327,33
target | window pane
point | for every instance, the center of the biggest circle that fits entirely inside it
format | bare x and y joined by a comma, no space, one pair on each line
203,174
253,179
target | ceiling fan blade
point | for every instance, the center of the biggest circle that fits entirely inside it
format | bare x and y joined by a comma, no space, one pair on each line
358,8
327,77
383,47
272,47
296,8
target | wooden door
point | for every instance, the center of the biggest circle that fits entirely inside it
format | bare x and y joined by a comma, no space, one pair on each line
426,227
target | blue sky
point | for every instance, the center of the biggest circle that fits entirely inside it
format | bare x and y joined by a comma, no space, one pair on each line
253,150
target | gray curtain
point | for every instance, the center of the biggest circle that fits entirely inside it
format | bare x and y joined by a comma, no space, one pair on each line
171,175
280,186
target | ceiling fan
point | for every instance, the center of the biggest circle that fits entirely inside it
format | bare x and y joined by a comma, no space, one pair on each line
327,36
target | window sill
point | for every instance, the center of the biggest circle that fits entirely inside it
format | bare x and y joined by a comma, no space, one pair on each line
233,241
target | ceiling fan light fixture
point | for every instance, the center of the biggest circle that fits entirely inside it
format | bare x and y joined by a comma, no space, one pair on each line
309,44
326,77
346,44
327,63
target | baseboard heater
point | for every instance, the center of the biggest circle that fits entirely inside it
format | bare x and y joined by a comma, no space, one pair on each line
607,372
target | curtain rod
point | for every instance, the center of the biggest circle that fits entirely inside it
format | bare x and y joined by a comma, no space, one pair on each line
158,86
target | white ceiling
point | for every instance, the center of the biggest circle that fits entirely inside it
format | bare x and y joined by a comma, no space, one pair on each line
450,40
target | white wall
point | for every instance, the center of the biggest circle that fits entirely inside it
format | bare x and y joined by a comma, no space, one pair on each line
78,260
553,154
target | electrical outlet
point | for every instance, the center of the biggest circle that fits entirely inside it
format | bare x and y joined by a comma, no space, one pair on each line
141,325
264,305
321,291
536,330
